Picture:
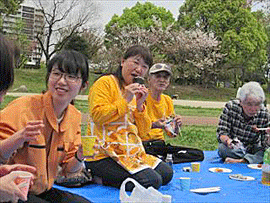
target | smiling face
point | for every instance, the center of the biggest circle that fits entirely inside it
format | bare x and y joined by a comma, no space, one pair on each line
132,67
251,106
159,82
63,89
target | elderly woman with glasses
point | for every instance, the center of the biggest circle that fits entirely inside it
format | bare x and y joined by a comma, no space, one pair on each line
239,133
44,130
159,107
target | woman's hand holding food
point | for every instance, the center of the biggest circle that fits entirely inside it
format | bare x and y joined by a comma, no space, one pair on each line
140,91
129,91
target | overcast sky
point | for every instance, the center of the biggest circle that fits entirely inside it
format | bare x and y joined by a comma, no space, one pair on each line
107,8
111,7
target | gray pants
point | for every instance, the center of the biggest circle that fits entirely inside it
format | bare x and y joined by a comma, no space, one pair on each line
224,152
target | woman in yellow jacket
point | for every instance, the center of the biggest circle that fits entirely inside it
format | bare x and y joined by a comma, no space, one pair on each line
44,130
118,118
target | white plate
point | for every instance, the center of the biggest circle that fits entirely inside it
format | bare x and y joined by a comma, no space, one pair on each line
224,170
255,166
242,178
205,190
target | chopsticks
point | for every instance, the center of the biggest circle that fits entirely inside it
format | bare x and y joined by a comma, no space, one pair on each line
262,129
205,189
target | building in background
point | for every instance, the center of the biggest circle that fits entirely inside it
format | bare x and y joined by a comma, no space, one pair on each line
33,20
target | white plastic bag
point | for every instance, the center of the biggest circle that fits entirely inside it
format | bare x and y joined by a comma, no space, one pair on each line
140,194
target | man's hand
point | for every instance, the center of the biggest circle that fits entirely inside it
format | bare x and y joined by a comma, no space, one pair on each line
178,120
159,123
230,143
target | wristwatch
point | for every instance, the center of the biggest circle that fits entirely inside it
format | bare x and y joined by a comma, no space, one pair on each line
80,160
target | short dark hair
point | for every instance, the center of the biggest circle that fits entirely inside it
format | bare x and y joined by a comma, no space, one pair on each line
136,50
71,62
6,63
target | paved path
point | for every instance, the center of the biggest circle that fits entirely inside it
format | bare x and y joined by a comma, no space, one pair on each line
187,120
203,104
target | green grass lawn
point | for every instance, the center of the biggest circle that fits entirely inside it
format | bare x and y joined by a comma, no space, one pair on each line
201,137
34,80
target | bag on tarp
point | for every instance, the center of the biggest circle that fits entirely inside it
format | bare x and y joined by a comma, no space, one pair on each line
141,194
184,154
75,179
180,154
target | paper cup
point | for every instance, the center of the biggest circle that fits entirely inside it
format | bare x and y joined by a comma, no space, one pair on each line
184,183
22,179
166,199
88,143
195,167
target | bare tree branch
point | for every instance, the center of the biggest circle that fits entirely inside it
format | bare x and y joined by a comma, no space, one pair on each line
63,18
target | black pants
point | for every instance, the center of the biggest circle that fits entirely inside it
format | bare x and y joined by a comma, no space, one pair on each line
156,147
180,154
55,196
112,174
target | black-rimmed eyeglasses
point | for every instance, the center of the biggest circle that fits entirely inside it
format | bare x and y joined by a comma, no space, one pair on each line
56,75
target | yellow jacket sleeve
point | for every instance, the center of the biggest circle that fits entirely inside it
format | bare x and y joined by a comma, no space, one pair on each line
105,105
143,121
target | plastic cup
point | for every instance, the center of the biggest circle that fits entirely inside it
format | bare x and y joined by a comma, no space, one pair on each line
166,199
184,183
87,143
195,166
22,180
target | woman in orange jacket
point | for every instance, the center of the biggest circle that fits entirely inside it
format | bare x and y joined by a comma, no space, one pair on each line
44,130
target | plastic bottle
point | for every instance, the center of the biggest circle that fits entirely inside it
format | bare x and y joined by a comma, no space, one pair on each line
266,168
169,159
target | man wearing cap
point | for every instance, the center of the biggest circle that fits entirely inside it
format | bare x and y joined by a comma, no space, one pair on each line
159,107
161,111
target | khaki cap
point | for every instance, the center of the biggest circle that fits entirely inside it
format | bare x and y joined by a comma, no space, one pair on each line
158,67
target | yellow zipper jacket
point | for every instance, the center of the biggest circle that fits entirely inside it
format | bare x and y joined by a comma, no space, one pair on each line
55,146
117,126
